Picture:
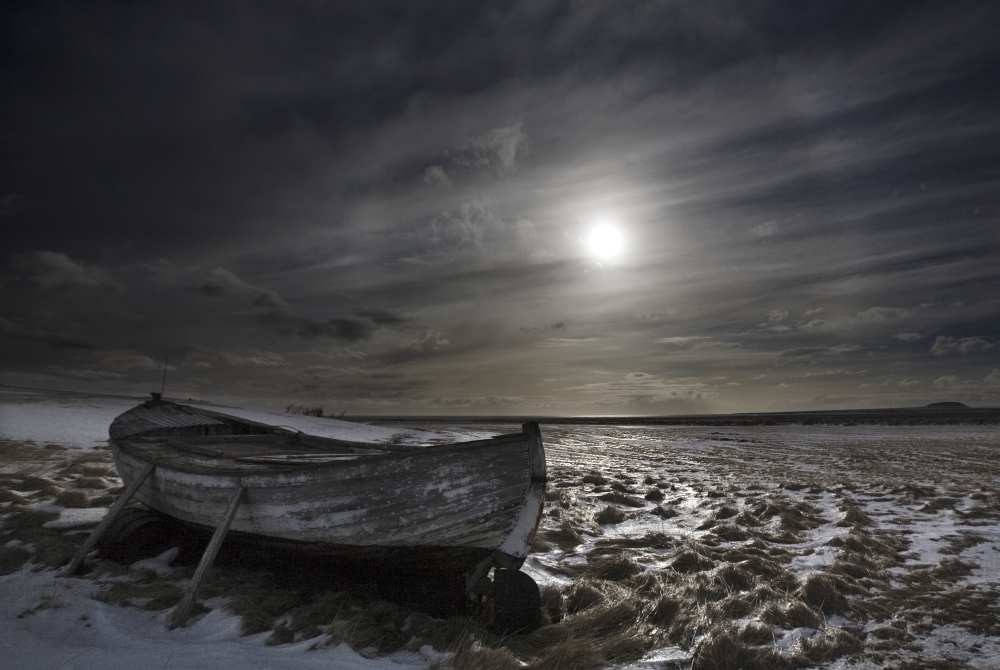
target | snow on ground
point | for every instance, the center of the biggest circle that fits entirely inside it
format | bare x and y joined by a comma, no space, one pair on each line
68,419
74,517
53,622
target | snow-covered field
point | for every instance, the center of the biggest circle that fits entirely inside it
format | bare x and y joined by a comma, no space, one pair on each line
755,547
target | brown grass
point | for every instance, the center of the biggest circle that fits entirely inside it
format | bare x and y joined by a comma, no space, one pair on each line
583,595
622,499
688,561
663,512
724,650
853,516
576,654
824,593
566,537
609,515
956,544
832,644
615,569
552,603
151,594
73,499
13,559
795,614
477,657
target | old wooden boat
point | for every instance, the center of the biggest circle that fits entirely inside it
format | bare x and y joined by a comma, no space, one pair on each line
472,505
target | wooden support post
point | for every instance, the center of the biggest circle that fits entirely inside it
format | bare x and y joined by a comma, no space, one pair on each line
95,536
180,614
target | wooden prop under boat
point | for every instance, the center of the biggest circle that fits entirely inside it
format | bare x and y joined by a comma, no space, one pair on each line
468,506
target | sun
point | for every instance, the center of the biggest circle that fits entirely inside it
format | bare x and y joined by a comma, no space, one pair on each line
604,241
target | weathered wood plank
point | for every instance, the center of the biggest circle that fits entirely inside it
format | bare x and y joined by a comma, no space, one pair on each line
182,612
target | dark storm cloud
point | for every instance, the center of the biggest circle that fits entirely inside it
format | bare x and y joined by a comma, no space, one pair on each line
389,200
16,331
343,328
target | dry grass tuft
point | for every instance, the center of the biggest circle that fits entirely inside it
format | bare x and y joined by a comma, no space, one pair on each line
583,595
663,610
824,592
956,544
730,607
654,495
90,483
663,512
688,561
735,577
73,499
569,655
609,515
832,644
259,607
952,569
13,559
622,499
477,657
377,626
27,520
153,594
853,516
552,603
566,537
615,569
728,532
595,478
756,634
724,650
794,615
938,504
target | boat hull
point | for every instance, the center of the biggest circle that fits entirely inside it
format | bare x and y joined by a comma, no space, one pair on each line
460,500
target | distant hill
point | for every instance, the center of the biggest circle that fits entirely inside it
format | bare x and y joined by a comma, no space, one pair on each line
948,403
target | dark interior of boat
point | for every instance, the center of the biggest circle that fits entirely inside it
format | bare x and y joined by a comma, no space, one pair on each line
244,452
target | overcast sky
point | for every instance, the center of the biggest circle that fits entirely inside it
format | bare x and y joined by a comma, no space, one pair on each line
389,207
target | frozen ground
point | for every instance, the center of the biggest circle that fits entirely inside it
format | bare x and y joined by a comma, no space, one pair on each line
757,547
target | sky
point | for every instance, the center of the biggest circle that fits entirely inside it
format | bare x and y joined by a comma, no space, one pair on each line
531,207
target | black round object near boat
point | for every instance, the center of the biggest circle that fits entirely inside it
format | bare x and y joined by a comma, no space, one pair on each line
517,602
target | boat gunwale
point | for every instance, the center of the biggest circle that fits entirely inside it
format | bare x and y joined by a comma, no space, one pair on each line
124,445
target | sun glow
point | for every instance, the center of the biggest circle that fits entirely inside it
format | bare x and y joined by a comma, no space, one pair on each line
604,241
